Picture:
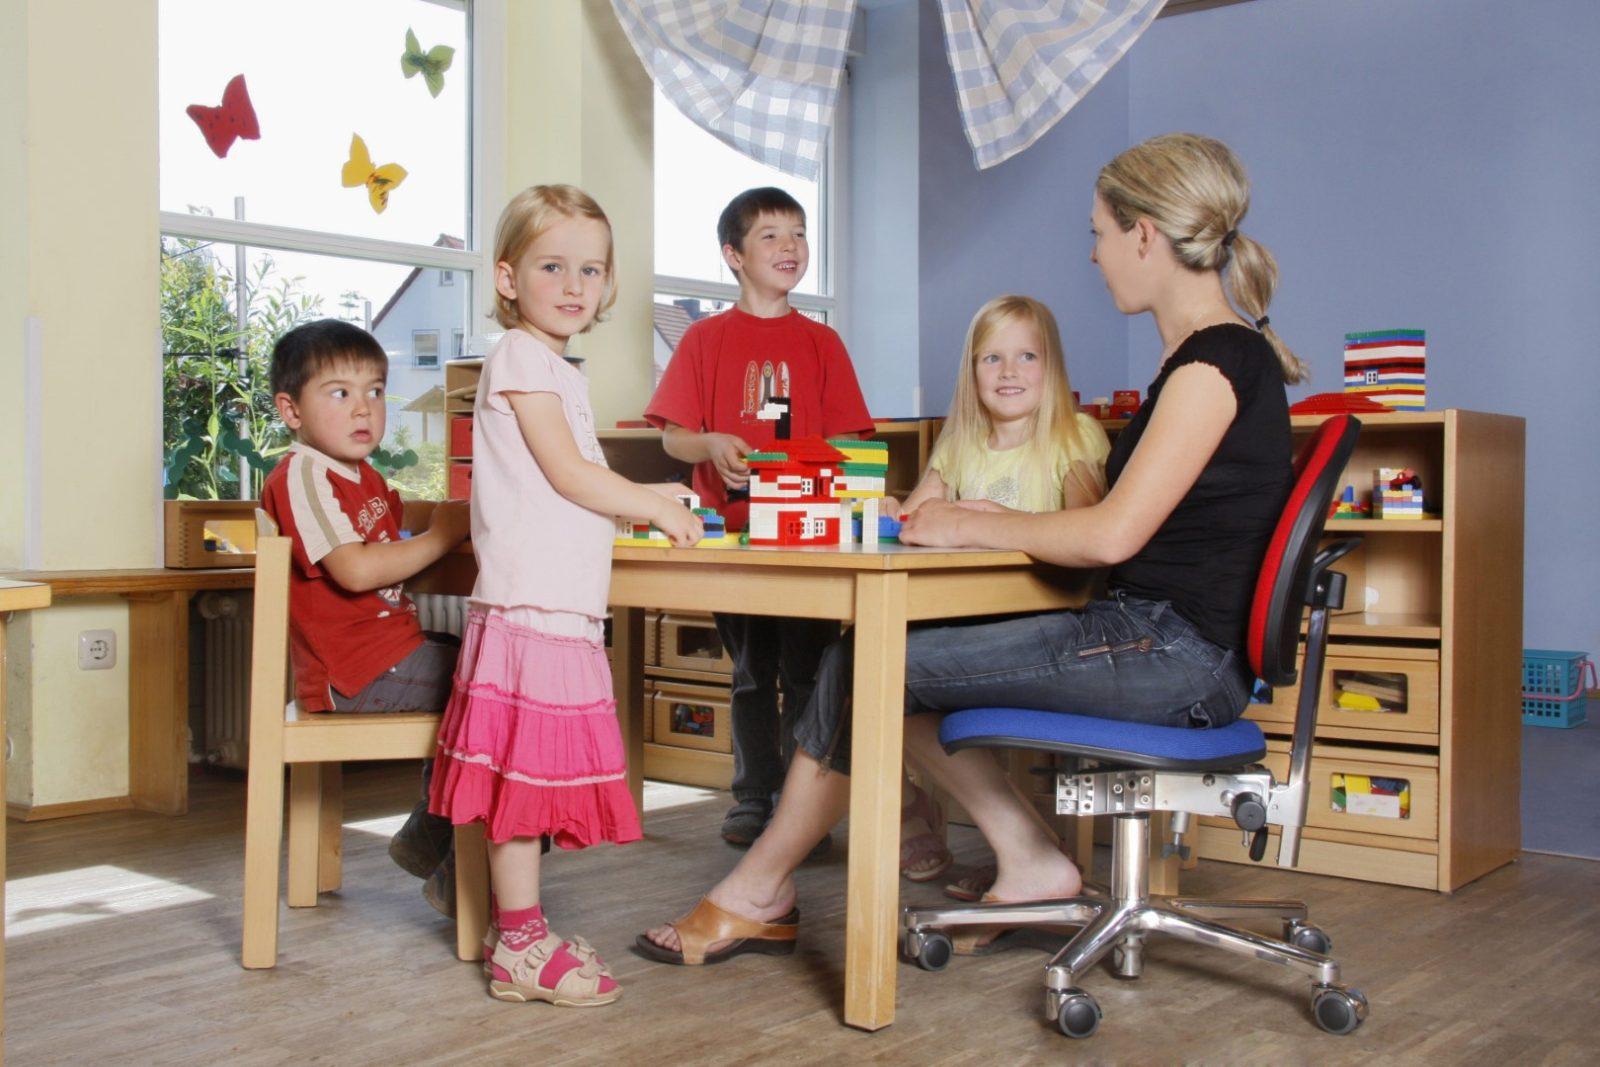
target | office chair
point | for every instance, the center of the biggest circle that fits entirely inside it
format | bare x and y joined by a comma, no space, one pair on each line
1139,769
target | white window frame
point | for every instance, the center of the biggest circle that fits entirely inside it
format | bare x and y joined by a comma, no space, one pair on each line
832,200
416,353
486,26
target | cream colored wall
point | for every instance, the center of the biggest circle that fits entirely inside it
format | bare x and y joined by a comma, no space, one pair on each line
579,109
81,235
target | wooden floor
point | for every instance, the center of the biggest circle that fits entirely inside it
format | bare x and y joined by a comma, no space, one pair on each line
125,927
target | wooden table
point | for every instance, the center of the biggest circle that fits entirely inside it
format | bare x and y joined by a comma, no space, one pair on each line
878,591
14,596
158,671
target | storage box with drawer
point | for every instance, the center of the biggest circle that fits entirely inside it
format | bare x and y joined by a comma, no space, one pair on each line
1368,691
691,716
691,643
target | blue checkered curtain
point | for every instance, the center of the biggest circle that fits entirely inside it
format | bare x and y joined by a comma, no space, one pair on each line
1020,65
759,75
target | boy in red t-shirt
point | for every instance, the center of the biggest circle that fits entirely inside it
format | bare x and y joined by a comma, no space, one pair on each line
354,638
725,368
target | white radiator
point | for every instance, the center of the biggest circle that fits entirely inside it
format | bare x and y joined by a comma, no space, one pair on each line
227,666
227,678
441,614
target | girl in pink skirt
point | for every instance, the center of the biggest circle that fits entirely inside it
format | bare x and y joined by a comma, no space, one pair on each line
529,743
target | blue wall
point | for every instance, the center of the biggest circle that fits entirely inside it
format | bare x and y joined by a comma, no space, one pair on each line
1020,227
1414,165
881,237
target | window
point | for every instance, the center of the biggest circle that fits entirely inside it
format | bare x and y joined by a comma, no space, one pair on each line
425,347
456,340
695,177
267,236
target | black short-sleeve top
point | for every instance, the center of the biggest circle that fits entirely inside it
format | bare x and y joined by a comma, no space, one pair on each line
1205,557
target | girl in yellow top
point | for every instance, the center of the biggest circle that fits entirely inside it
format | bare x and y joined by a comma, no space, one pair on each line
1014,440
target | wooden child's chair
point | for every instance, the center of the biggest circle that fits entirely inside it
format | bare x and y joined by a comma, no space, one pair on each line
313,746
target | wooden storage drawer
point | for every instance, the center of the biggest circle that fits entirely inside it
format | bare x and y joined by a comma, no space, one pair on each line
1414,816
1404,682
691,643
691,716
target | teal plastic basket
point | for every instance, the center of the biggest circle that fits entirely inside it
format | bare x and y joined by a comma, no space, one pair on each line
1553,687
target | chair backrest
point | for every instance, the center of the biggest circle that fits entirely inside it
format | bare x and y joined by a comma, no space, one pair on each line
1273,636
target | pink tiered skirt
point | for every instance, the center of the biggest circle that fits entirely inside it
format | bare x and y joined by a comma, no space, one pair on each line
529,742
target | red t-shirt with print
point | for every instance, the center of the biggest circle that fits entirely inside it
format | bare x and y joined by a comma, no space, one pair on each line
337,638
728,365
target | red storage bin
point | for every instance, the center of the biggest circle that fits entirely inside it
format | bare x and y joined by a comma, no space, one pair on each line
460,481
461,436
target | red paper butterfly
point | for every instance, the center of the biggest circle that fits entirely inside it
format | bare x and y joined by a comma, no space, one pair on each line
234,119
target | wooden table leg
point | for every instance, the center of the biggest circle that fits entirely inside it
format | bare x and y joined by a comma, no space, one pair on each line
872,926
158,702
627,681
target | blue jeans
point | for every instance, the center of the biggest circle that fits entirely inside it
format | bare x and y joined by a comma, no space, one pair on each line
1122,658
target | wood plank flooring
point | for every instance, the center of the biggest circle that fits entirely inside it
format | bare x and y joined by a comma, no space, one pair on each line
124,949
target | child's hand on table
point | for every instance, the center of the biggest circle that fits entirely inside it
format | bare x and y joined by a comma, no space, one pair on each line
452,519
682,526
726,452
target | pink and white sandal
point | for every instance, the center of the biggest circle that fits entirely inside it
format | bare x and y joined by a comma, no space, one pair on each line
568,974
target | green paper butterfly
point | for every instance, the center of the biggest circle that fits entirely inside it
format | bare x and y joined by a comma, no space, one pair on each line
430,64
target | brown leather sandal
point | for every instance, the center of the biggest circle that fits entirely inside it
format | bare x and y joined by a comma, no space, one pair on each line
706,924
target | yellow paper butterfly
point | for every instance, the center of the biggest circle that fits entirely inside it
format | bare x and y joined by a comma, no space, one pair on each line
378,180
430,64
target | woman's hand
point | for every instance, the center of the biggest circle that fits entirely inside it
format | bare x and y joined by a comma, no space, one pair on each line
935,524
984,505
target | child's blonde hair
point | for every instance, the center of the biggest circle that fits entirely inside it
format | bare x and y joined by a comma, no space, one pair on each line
1195,191
532,212
1056,428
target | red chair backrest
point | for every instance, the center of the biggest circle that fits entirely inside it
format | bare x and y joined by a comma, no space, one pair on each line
1281,588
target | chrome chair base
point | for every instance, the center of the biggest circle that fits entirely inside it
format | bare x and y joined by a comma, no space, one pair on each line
1119,922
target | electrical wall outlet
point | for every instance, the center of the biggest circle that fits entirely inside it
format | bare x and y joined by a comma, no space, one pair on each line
97,650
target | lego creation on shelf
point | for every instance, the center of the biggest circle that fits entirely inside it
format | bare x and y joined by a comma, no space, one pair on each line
1350,506
1336,404
1124,403
635,533
1396,494
1388,366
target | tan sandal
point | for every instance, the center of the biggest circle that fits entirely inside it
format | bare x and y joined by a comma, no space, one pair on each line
922,837
539,972
706,924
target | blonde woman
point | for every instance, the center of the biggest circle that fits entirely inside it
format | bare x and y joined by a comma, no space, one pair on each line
1196,483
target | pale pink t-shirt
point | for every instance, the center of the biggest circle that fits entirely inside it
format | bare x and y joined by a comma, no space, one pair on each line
535,548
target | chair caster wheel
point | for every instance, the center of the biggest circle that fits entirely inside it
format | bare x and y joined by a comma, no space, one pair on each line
934,952
1306,936
1338,1010
1079,1015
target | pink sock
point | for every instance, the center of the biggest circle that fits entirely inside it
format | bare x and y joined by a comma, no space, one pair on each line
519,929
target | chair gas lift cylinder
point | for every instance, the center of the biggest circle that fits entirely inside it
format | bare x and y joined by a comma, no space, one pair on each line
1140,769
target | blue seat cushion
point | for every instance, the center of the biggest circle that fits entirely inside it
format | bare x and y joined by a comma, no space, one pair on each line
1113,742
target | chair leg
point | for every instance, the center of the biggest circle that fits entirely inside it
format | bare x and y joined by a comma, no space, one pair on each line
472,890
305,819
263,845
1088,946
1285,910
330,851
1186,927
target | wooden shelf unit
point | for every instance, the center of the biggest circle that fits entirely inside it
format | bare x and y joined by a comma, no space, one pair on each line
1433,610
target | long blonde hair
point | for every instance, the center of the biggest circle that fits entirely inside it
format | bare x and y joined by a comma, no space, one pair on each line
1056,428
1195,191
529,214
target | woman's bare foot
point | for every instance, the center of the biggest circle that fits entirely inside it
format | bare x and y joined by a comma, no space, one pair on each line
731,896
1044,876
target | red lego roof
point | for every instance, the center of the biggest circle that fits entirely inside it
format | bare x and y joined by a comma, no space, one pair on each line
800,450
